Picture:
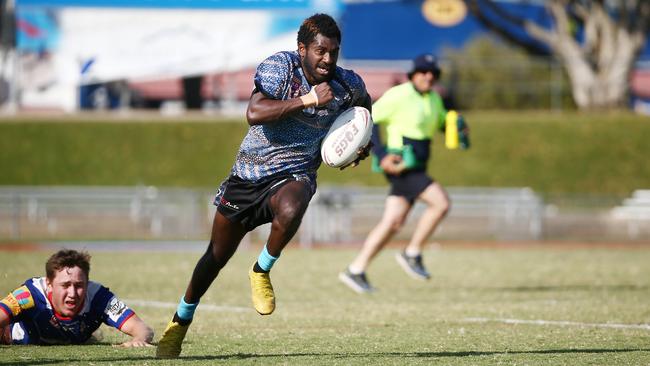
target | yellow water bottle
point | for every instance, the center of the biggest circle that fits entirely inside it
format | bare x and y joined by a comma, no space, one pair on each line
451,130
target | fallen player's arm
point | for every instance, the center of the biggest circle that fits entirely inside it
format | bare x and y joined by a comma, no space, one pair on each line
4,319
9,308
141,333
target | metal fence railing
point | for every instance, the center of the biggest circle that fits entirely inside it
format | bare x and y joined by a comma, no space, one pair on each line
336,214
100,212
633,214
348,214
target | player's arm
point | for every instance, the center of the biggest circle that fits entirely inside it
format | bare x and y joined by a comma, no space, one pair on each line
263,110
5,319
141,333
14,304
117,315
9,308
442,113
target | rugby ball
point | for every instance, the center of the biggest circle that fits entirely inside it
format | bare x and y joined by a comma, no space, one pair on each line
350,131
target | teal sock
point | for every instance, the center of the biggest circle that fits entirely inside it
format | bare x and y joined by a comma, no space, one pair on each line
184,310
266,260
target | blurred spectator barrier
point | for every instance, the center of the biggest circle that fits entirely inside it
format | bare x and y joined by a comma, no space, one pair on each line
634,214
348,214
100,212
336,214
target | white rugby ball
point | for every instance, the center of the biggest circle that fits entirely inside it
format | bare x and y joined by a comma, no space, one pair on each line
350,131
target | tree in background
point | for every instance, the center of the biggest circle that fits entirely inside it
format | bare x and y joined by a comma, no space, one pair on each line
597,42
488,74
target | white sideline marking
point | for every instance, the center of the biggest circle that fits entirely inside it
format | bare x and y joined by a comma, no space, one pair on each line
557,322
238,309
170,305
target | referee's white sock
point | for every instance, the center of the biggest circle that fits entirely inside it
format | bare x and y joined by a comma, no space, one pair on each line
355,270
411,252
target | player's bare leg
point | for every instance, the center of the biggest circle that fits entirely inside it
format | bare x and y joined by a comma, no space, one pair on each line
225,239
437,202
395,212
289,204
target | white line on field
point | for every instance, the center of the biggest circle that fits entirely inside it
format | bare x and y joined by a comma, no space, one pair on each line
557,322
171,305
239,309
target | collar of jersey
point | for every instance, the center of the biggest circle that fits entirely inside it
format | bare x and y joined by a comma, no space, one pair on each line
418,92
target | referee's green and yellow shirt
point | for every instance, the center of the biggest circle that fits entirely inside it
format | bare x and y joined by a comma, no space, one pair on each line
407,113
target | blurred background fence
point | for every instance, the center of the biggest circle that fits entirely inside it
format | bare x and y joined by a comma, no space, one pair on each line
337,215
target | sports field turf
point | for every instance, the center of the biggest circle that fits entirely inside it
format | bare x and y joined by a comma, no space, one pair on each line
542,305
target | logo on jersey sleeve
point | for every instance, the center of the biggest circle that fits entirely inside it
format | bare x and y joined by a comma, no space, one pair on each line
115,308
24,297
20,299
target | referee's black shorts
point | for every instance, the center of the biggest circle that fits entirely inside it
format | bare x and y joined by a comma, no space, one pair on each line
409,184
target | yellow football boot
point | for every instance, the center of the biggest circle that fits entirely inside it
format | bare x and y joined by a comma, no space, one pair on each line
169,345
262,292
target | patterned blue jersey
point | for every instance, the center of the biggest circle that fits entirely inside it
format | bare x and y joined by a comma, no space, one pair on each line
35,322
292,145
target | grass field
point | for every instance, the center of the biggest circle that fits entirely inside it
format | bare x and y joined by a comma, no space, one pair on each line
475,311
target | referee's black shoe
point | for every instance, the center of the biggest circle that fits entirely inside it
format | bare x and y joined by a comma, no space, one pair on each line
357,282
412,266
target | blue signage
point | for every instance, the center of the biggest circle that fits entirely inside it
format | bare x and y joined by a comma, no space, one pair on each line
175,4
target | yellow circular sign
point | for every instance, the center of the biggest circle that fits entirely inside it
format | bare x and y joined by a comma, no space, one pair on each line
444,13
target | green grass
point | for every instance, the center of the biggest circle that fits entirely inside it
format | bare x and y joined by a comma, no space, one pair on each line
553,153
318,321
91,153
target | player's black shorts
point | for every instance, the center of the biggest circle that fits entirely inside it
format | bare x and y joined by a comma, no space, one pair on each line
247,202
409,184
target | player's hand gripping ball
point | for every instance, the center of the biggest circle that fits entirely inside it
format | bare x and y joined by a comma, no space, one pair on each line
350,131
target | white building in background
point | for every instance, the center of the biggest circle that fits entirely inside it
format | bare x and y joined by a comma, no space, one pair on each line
65,44
75,54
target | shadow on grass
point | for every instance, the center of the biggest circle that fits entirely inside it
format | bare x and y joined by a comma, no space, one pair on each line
245,356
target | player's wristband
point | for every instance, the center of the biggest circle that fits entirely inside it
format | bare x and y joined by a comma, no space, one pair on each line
310,99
